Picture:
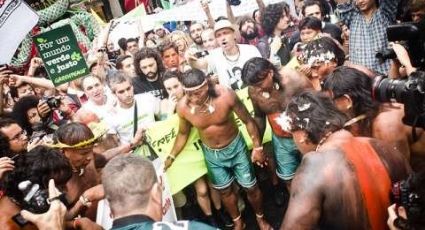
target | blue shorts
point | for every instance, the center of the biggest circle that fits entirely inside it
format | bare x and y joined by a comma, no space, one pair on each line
229,162
287,156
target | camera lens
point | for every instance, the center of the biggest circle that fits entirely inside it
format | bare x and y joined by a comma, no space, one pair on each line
385,89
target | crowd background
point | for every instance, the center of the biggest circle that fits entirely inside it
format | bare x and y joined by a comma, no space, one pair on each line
72,133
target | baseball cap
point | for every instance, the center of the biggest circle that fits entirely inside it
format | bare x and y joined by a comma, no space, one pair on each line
223,24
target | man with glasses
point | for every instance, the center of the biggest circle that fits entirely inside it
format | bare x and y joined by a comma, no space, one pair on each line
13,139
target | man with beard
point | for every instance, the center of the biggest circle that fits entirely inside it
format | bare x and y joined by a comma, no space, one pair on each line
250,31
149,69
13,139
195,31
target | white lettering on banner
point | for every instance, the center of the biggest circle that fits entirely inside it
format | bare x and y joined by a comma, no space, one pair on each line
66,66
57,51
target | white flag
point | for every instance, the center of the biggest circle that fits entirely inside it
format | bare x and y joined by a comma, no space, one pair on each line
16,20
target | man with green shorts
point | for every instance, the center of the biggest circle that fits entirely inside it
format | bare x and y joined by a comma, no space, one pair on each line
209,108
270,90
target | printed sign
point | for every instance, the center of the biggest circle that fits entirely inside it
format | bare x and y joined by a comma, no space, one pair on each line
61,55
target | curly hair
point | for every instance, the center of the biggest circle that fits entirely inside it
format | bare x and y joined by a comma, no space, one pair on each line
272,15
20,110
38,166
145,53
316,114
358,86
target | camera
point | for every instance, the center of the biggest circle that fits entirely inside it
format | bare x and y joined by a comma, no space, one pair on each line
52,102
412,37
201,54
408,193
410,92
234,2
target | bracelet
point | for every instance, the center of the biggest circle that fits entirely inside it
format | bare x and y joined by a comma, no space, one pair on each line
258,148
84,201
172,157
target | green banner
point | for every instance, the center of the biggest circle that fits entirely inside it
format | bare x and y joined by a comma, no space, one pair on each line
190,164
61,55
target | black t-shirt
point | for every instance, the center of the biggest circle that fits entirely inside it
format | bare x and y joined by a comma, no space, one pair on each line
156,88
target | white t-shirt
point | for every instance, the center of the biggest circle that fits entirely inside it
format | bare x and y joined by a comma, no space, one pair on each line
101,111
121,119
229,72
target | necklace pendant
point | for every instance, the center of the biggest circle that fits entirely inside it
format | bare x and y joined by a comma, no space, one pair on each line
211,109
192,110
265,94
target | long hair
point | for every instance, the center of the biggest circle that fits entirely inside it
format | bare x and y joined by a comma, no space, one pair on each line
358,86
145,53
255,68
316,114
272,15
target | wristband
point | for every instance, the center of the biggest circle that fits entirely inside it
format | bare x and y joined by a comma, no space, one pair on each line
258,148
86,202
171,157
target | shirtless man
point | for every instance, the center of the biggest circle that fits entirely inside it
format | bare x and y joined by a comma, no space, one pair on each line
351,91
343,182
269,91
209,109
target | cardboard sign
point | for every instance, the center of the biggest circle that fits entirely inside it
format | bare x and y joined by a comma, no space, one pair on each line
61,55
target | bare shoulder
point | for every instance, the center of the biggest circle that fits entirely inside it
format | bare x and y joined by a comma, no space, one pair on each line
225,93
182,107
293,80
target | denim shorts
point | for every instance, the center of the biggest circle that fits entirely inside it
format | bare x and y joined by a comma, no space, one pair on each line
287,156
228,163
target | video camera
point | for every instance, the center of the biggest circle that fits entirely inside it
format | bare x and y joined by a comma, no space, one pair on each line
410,91
412,37
409,194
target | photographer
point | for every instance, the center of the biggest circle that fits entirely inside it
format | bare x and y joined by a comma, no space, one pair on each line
26,186
408,212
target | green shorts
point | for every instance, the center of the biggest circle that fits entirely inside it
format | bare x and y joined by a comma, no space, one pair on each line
287,157
229,162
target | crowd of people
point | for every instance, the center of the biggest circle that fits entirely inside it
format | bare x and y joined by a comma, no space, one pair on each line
341,146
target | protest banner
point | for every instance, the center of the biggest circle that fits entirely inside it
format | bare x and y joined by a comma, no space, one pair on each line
193,10
103,216
161,137
16,21
61,55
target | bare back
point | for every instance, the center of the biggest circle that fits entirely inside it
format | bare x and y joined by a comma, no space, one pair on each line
328,192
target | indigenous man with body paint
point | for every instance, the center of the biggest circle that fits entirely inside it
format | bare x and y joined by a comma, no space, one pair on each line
270,90
209,108
343,182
